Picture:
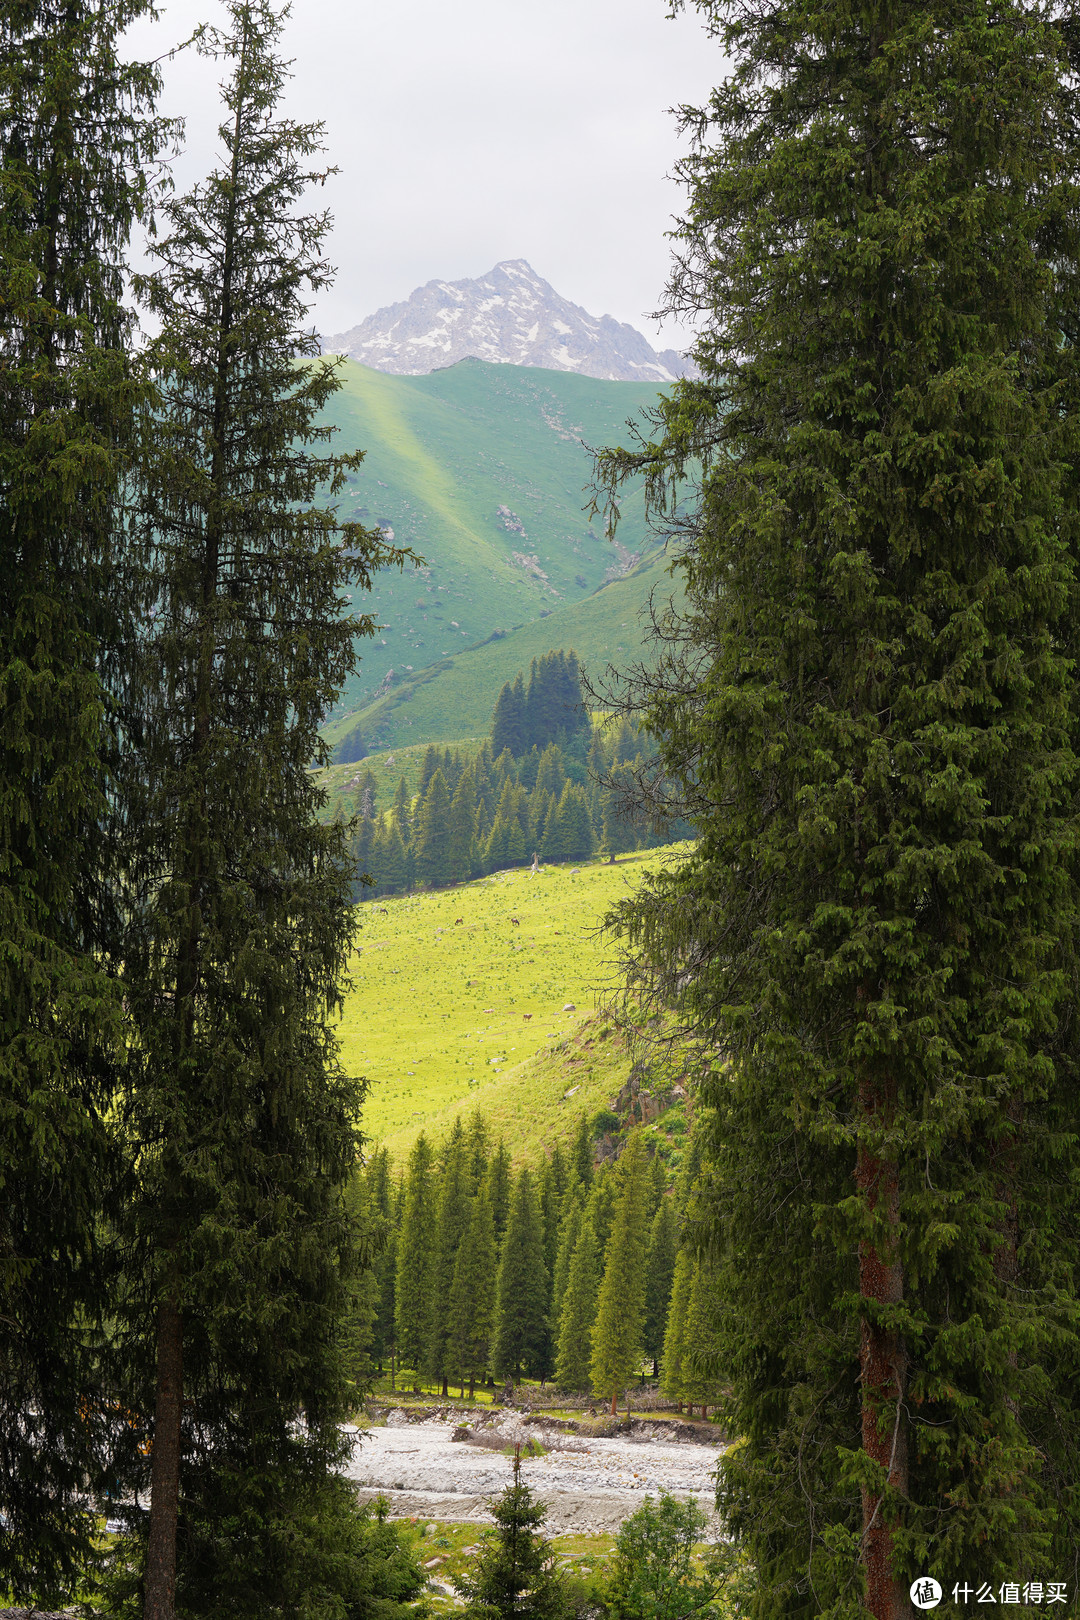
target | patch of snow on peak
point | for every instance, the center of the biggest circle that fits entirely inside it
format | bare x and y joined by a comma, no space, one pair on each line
510,315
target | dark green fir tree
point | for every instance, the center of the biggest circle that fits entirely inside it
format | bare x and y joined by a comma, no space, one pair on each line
577,1311
870,707
620,1309
569,1232
522,1333
77,137
513,1577
451,1225
499,1180
432,837
416,1255
471,1311
508,721
659,1275
241,922
459,843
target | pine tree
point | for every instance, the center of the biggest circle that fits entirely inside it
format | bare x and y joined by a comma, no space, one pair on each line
416,1255
671,1362
600,1208
569,1232
77,137
382,1201
499,1181
620,1309
522,1336
658,1181
432,838
485,787
508,722
568,835
460,834
700,1352
553,1182
452,1220
619,833
551,775
360,853
581,1155
496,850
401,813
659,1276
389,867
513,1577
479,1145
427,770
240,922
578,1313
472,1295
871,691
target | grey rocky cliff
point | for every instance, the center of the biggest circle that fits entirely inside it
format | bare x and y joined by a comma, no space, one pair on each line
511,316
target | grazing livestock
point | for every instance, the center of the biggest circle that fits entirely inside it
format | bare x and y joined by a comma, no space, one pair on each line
383,910
516,921
458,920
526,1016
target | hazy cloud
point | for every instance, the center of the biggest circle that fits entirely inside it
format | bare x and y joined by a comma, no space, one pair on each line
479,131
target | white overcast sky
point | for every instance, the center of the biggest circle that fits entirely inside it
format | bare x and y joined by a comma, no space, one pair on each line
475,131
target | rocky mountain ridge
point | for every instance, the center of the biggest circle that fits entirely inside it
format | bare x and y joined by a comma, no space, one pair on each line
510,316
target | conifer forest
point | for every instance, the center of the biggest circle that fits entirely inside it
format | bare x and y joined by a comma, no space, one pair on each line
837,1262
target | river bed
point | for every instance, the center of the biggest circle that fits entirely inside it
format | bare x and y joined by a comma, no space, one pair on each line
589,1484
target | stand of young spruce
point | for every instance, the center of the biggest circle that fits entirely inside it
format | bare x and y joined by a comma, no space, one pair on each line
870,708
245,1126
77,141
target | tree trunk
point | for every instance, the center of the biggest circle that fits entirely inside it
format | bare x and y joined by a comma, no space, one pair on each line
882,1362
615,1404
160,1599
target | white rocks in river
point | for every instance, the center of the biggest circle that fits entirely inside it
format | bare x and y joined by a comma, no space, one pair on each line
586,1481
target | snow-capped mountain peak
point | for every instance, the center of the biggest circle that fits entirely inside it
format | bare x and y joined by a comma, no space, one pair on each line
512,316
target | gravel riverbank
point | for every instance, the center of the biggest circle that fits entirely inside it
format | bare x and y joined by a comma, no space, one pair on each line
588,1483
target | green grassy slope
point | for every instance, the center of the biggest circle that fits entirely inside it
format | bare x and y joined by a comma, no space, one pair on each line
456,696
444,1015
443,454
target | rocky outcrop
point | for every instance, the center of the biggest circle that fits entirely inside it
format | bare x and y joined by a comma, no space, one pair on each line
511,316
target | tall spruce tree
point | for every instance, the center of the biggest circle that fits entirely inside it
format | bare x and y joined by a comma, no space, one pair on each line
522,1332
620,1308
382,1201
240,917
508,721
471,1311
870,710
432,838
659,1276
675,1346
577,1311
569,1232
451,1225
416,1255
499,1178
77,137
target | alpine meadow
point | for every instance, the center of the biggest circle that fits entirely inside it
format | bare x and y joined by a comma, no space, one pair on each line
540,894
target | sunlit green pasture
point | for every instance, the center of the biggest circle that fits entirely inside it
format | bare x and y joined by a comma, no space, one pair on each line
455,1005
